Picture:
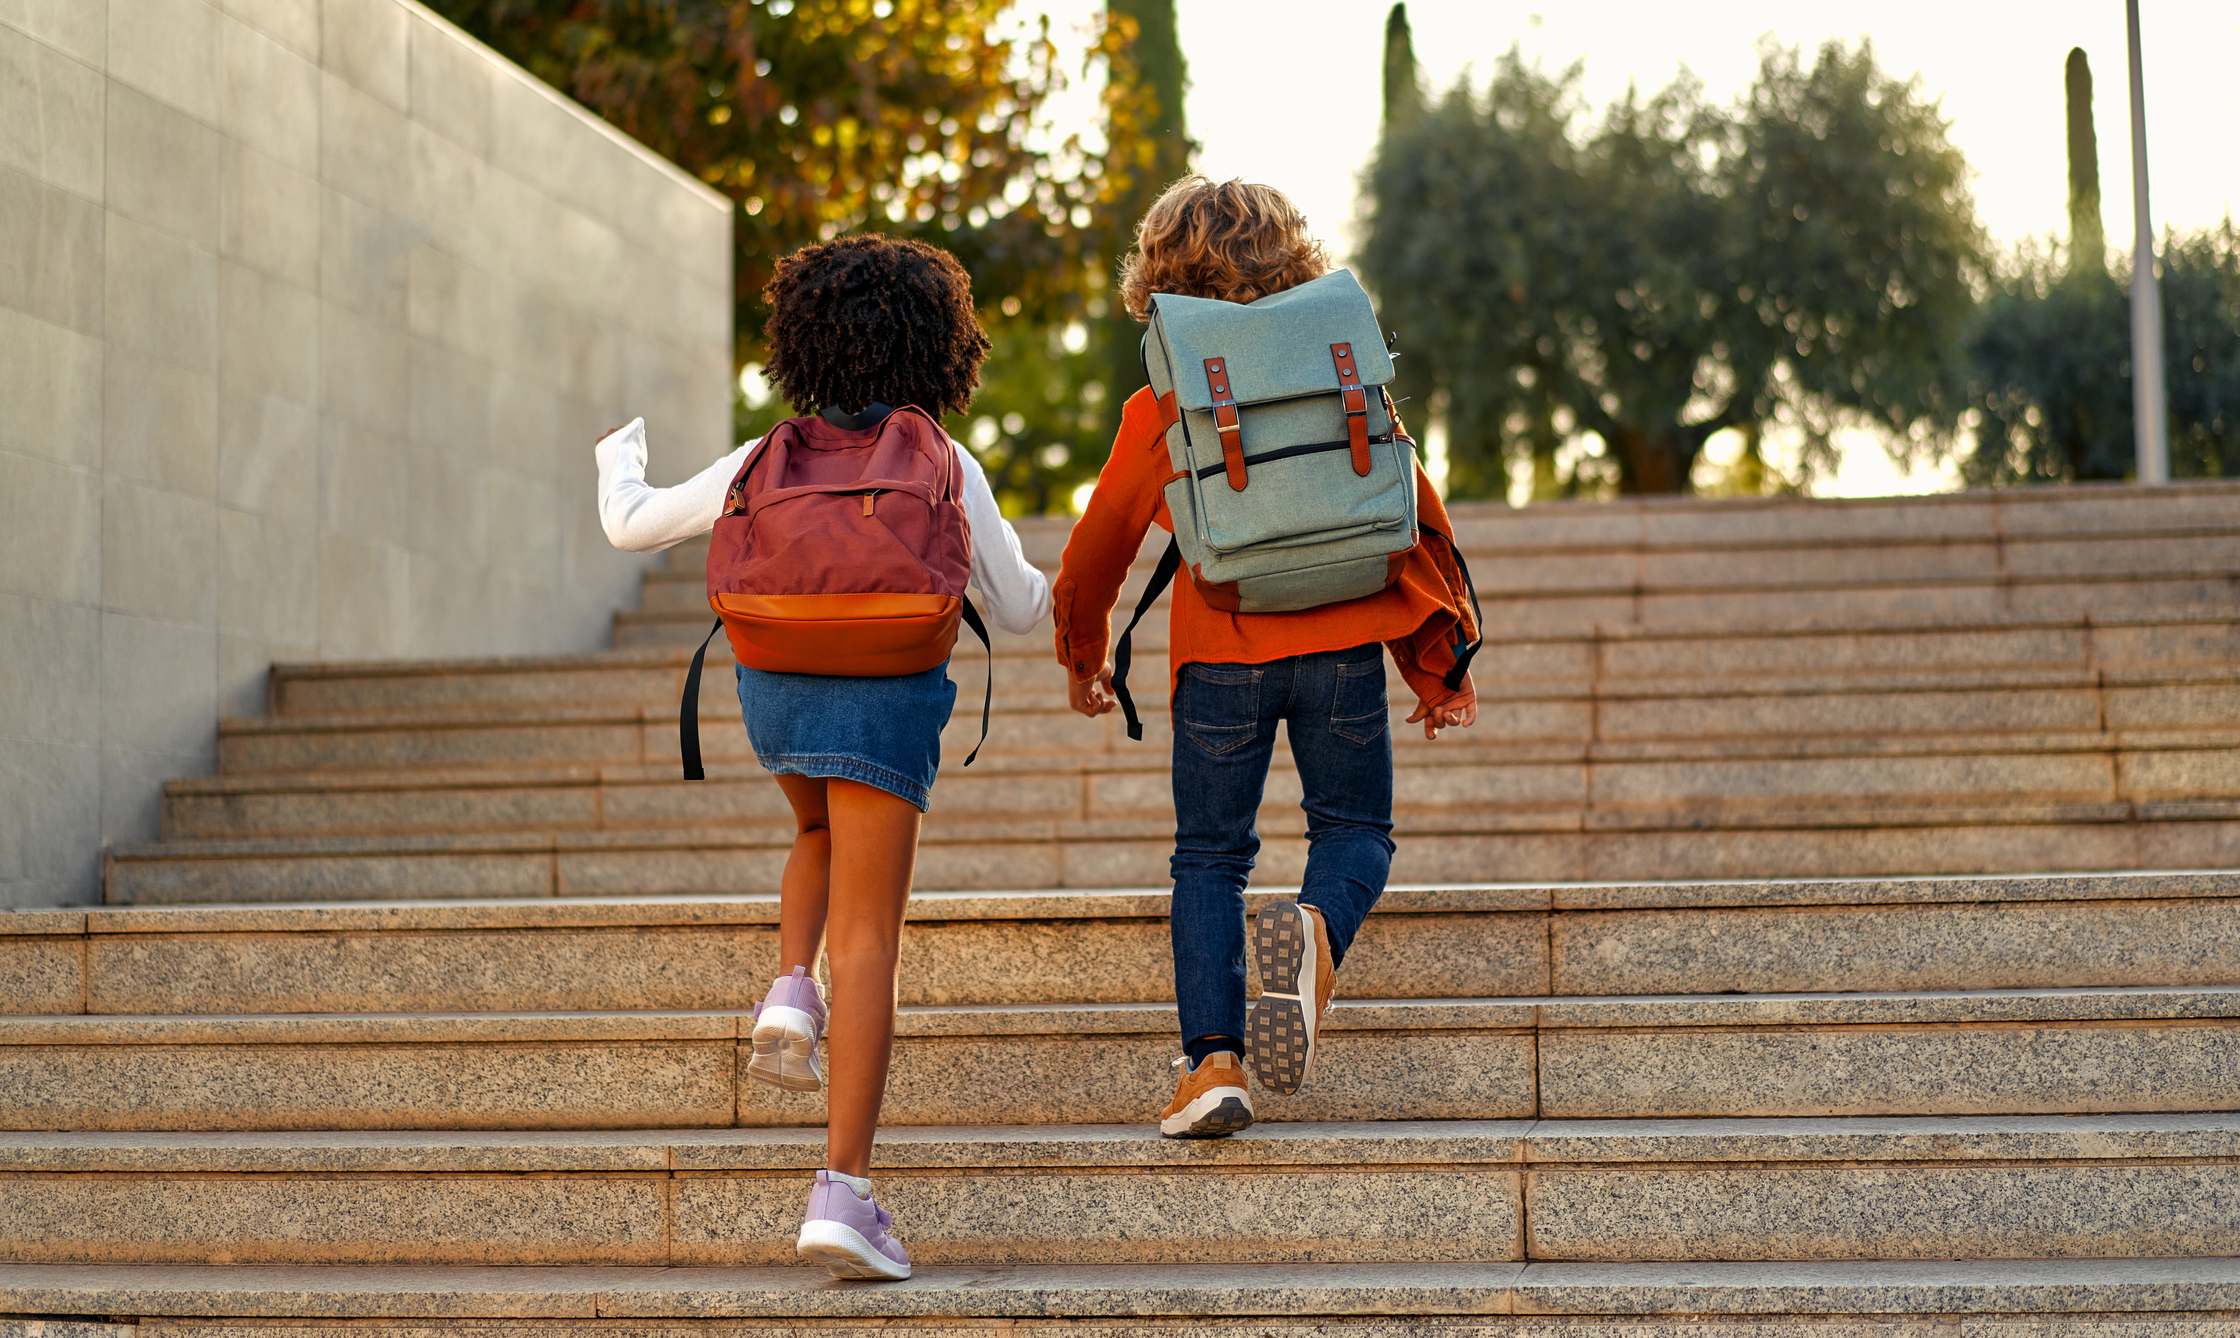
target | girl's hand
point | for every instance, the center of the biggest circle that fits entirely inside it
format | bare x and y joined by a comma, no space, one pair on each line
1092,697
1459,711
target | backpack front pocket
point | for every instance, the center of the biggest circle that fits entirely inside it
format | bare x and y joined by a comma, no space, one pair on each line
1300,484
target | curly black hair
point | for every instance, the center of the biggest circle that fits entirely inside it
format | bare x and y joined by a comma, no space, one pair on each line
870,318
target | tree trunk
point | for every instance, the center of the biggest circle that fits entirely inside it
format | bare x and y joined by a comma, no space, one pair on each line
1156,65
1652,462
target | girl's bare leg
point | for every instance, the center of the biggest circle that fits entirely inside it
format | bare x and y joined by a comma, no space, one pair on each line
870,849
805,893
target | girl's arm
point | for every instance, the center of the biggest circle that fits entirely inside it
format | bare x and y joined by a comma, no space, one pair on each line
643,519
1017,594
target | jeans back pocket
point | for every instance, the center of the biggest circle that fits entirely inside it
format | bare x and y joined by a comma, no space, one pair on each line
1359,710
1220,706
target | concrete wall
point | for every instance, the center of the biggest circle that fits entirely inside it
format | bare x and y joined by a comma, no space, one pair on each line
309,313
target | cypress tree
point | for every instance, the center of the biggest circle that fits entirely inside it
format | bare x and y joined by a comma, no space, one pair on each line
1153,67
2088,246
1403,95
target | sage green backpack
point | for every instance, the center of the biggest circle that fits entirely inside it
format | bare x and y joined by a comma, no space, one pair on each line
1291,489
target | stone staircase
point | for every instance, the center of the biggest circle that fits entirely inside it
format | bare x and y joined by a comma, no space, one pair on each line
1823,933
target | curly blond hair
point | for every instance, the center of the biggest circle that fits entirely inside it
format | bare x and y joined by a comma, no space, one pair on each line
1233,240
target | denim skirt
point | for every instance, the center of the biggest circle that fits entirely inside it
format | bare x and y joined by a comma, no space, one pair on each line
884,732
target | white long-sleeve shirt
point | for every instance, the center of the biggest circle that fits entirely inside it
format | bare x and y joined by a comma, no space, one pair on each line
639,518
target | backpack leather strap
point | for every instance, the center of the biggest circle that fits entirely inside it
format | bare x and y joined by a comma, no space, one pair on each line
987,697
1170,562
1357,406
688,711
1226,423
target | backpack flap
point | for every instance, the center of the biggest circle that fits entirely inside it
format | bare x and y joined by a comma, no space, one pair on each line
1280,437
1277,348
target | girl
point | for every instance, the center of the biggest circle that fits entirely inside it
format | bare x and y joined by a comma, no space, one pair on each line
857,323
1319,671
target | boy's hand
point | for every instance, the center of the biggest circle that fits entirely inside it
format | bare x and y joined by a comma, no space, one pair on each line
1092,697
1460,711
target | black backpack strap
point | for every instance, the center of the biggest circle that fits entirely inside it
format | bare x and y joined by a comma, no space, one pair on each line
988,697
1170,562
1463,654
688,712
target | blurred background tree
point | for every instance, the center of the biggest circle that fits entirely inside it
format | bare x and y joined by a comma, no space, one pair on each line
1584,296
2052,344
1671,269
910,117
1052,390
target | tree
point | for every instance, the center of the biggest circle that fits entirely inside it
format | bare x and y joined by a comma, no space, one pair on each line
1403,93
819,117
1677,268
1144,119
2052,353
2088,244
2051,345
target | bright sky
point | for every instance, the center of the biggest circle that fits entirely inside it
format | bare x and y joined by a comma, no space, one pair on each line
1288,92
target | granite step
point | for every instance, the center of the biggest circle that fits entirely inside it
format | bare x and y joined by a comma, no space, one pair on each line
1982,1052
1779,565
1901,817
2210,590
1576,1191
2111,1298
531,774
2140,647
1054,947
1912,703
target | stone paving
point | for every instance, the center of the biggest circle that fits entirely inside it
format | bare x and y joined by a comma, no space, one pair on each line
1826,934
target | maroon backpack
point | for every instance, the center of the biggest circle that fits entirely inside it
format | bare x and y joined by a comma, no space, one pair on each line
842,549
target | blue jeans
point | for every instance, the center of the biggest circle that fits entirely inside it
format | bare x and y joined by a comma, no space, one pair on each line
1332,704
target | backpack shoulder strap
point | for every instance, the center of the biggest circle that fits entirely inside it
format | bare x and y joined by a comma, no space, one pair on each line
952,477
1170,562
688,711
1463,652
988,695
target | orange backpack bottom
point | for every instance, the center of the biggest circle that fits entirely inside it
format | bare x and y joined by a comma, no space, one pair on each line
847,636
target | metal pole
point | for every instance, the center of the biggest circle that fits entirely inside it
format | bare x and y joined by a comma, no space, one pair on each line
2149,412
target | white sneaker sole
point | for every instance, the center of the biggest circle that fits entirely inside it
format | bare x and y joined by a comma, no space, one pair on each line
785,1050
1280,1028
1216,1113
843,1249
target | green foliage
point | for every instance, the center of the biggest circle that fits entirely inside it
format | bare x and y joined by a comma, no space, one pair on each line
819,117
2201,350
2052,347
1143,108
911,117
1403,94
1675,268
2088,244
1038,425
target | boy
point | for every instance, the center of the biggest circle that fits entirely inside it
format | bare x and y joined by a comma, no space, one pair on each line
1319,671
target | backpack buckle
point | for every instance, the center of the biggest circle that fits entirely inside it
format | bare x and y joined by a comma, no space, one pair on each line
1357,406
1228,427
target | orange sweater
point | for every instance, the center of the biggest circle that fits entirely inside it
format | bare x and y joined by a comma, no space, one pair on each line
1416,617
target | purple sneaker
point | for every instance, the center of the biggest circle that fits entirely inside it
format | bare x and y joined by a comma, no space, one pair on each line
847,1232
788,1023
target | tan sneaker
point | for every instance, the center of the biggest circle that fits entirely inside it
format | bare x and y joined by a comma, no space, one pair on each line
1210,1101
1292,946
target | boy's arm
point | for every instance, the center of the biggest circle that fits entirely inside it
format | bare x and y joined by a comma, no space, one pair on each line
1105,540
